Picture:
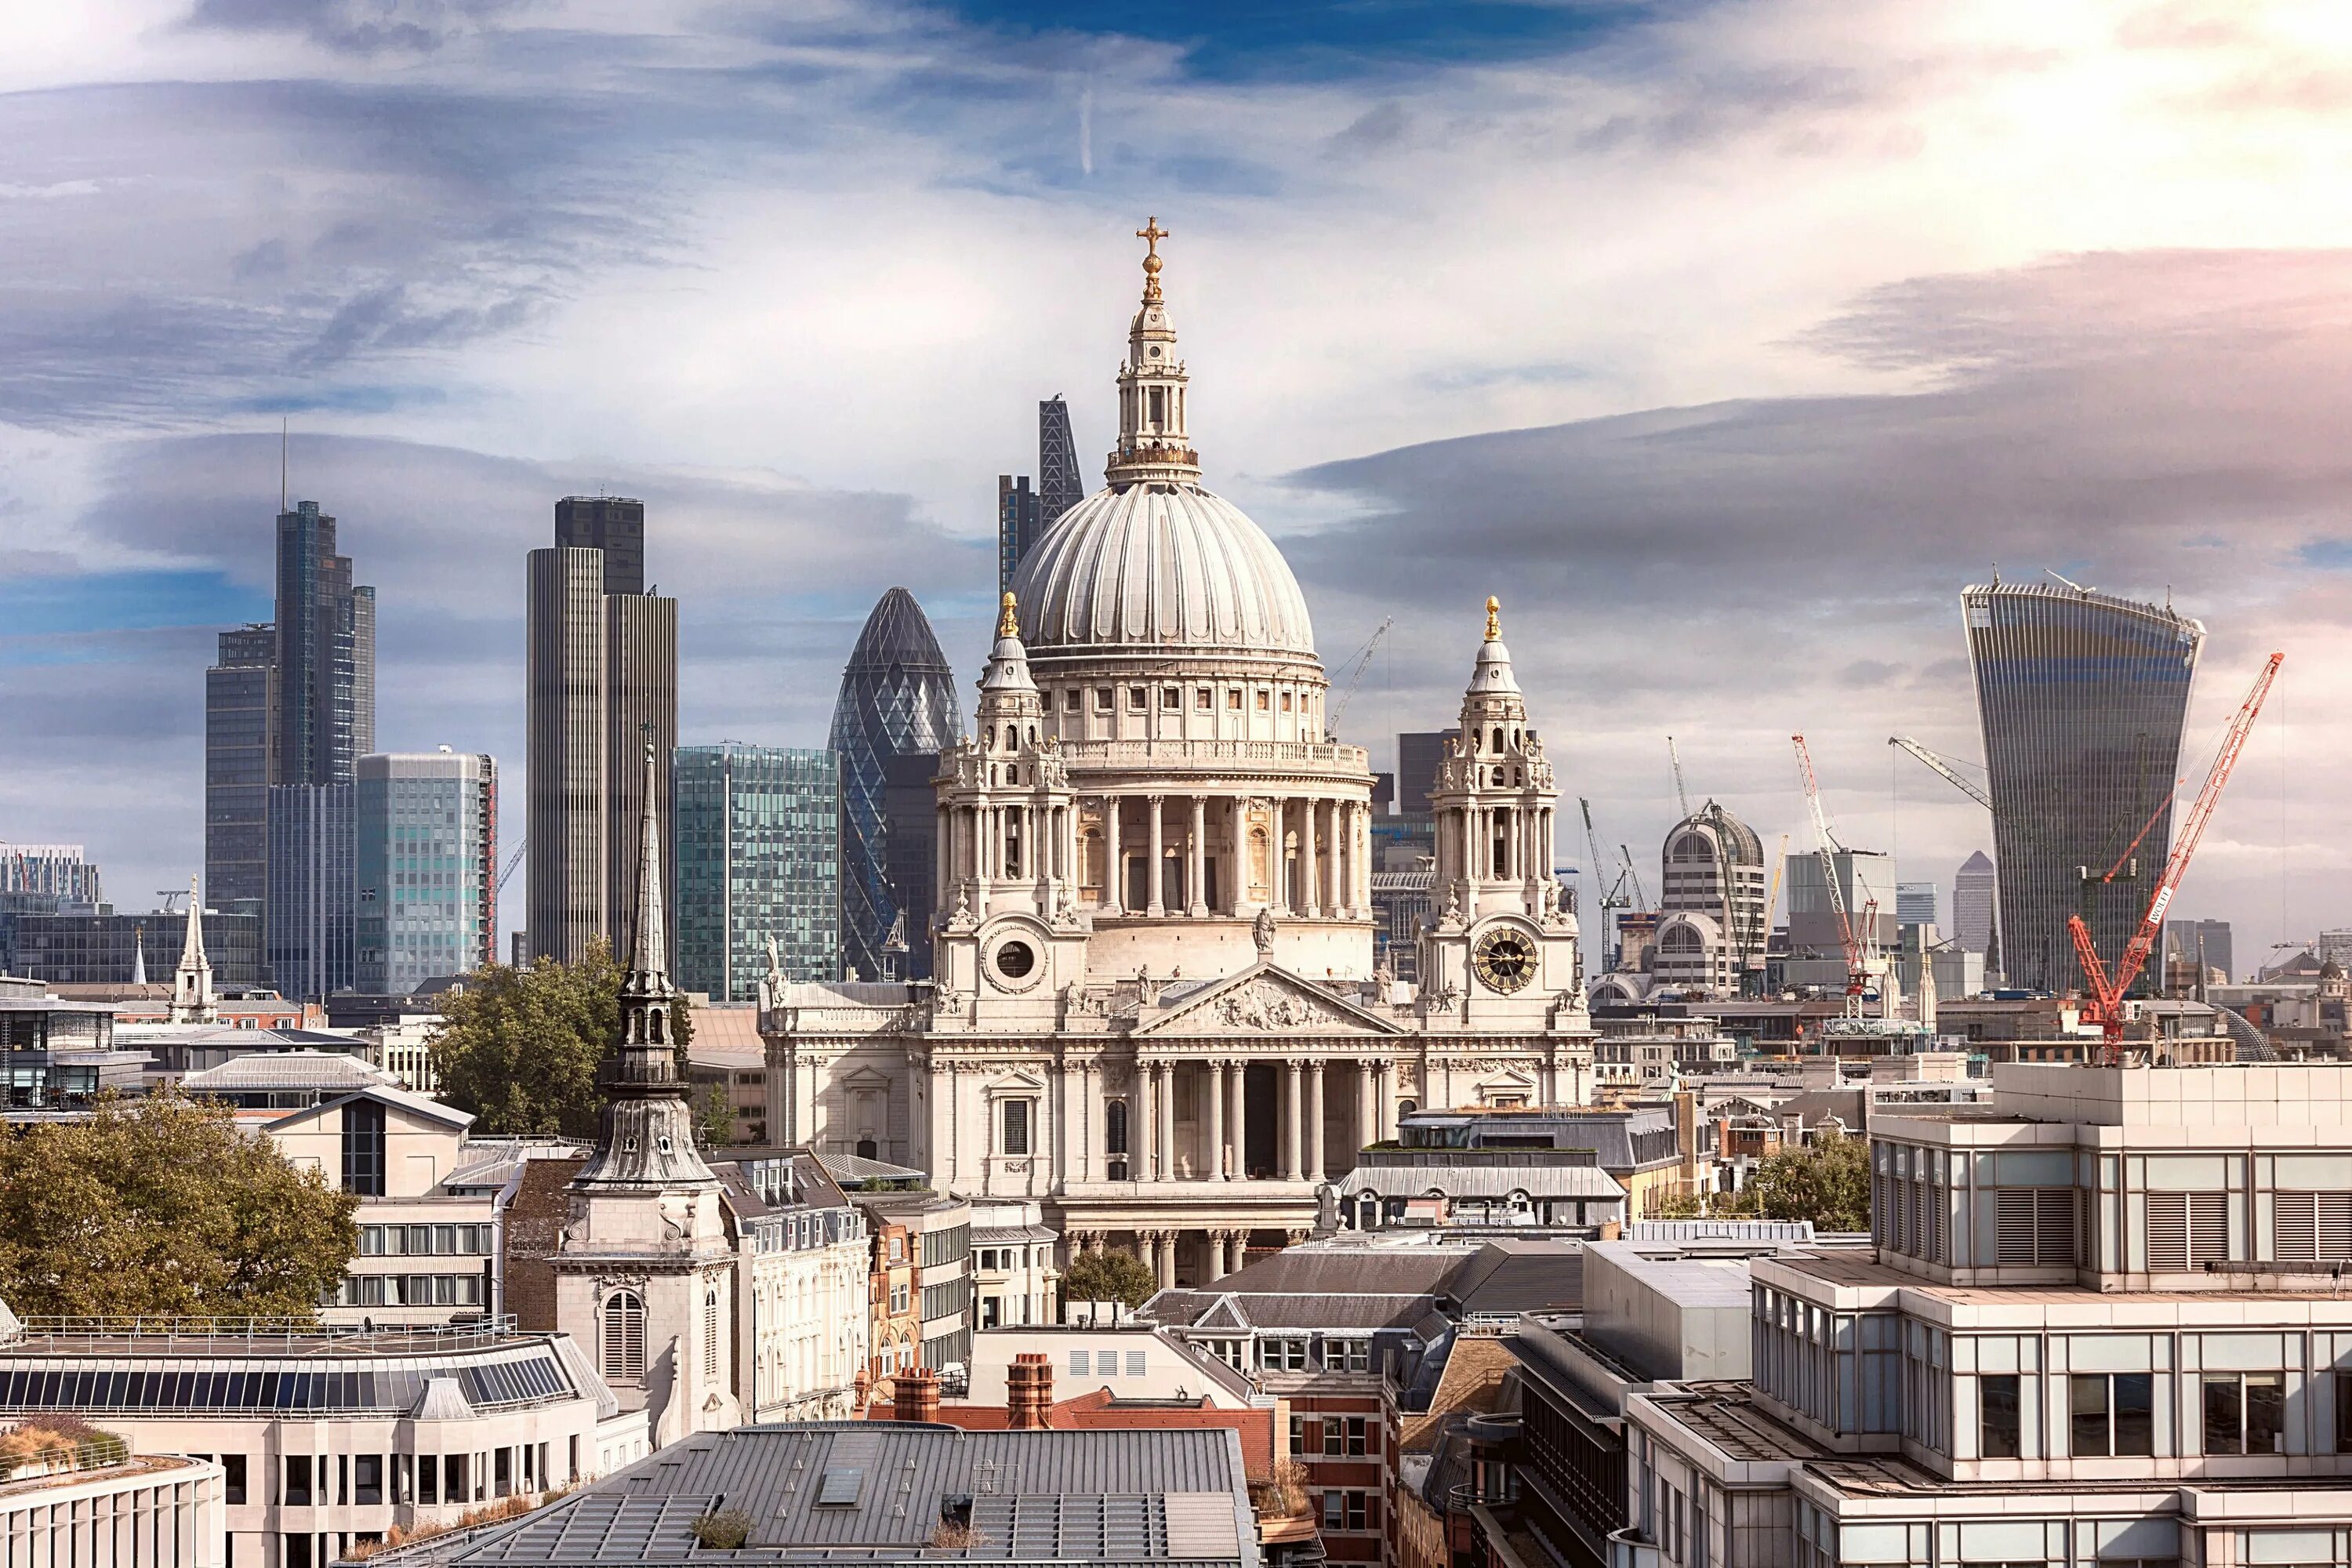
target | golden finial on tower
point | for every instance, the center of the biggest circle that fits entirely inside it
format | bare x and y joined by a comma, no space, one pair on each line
1494,619
1008,625
1151,234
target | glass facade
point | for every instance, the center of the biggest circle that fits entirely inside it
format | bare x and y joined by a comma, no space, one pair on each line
428,874
312,908
757,846
898,698
1060,485
2081,698
239,692
1018,526
102,950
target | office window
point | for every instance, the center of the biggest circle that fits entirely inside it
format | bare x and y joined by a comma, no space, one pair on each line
1016,1127
2111,1415
1334,1510
1997,1425
1355,1436
1298,1422
233,1464
2244,1412
1359,1515
363,1148
297,1481
367,1478
2187,1230
1335,1439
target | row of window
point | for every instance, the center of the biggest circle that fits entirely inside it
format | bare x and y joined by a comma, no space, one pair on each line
1106,1364
2113,1414
1334,1436
1350,1510
507,1382
423,1240
410,1290
1172,698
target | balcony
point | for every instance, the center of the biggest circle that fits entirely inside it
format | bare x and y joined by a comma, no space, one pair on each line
1209,756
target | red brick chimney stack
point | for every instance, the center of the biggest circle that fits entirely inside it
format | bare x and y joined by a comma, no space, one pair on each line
918,1394
1029,1394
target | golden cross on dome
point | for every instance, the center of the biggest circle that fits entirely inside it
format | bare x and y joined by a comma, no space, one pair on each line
1151,234
1008,625
1494,619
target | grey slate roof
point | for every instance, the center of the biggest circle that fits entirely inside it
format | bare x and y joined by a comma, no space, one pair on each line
333,1071
872,1491
1514,1275
1480,1180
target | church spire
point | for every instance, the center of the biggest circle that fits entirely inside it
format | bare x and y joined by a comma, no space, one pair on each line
647,1139
191,984
1153,444
139,955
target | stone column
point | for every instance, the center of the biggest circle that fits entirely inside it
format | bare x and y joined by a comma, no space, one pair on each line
1384,1082
942,863
1111,866
1237,864
1310,891
1162,1244
1277,892
1081,1120
1164,1103
1236,1132
1293,1114
1197,863
1314,1167
1367,1129
1217,1239
1214,1155
1151,905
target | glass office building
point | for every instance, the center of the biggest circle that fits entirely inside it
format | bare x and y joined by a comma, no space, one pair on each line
898,696
756,841
314,872
2082,697
428,856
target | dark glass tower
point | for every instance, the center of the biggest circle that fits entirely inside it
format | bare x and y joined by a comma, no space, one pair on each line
1017,527
2082,697
758,862
898,698
240,699
326,655
613,524
1060,485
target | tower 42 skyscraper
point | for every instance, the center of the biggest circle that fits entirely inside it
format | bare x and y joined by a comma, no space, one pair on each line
898,699
2081,696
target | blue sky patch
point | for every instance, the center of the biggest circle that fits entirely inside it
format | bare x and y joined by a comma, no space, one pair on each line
125,601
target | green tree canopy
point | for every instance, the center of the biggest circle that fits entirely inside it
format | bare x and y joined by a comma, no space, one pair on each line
1107,1277
162,1206
1827,1181
523,1047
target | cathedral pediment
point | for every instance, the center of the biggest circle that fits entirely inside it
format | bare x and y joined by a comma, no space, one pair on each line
1261,999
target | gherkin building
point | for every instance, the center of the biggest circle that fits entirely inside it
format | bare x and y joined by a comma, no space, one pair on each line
897,701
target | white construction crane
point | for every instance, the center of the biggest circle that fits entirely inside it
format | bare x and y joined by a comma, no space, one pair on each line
1363,661
1682,794
1826,847
1944,769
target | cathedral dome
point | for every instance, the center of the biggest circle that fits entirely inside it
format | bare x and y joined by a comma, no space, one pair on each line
1160,567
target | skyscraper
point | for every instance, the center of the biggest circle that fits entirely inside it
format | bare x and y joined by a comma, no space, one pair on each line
1018,526
1914,903
2193,941
61,871
1418,754
325,654
758,851
898,696
2082,697
427,878
603,681
240,706
1060,484
1974,886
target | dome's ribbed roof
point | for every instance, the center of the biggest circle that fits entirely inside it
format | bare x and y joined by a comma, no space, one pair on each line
1161,567
1747,849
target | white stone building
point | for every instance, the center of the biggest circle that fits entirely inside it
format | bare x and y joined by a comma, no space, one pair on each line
1156,1011
802,1323
1015,1281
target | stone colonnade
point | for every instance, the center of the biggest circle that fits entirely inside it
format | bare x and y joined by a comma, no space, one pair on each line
1226,1249
1335,868
1301,1113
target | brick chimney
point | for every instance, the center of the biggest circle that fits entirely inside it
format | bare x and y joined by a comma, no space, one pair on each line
917,1392
1029,1394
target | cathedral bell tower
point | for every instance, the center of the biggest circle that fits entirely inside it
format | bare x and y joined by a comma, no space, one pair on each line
645,1273
1501,948
1008,849
1153,444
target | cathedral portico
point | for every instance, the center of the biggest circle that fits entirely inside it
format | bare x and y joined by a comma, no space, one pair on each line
1155,1007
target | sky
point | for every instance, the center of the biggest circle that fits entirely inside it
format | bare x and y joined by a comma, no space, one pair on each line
1725,340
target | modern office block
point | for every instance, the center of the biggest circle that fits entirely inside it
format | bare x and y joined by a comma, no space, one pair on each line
325,651
61,871
756,832
2200,941
603,684
2082,697
240,702
427,873
103,948
910,853
1418,754
1975,891
312,908
898,698
1914,903
1018,524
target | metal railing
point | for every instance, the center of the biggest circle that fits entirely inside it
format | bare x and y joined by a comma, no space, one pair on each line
285,1333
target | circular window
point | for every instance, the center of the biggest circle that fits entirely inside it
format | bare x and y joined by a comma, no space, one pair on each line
1014,959
1155,351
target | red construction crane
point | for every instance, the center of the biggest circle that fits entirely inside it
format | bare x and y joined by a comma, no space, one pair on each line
1826,847
2105,1004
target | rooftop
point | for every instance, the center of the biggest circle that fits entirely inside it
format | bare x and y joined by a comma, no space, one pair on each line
872,1492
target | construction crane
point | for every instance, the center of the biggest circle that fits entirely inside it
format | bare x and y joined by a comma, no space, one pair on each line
1826,847
1682,794
1363,661
1944,769
513,860
1641,899
2106,1007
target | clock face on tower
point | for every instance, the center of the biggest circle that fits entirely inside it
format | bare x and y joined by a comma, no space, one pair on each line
1504,959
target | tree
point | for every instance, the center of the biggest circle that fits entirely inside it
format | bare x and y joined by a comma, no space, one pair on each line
1826,1181
162,1206
1107,1277
523,1047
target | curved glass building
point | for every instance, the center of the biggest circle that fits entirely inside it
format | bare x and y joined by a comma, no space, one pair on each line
2082,697
897,701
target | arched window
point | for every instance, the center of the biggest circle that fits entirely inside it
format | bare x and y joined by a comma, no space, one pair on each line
625,1337
867,1149
1115,1127
1011,737
710,1341
1498,738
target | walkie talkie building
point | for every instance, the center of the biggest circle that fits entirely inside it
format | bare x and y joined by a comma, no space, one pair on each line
2082,697
898,699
